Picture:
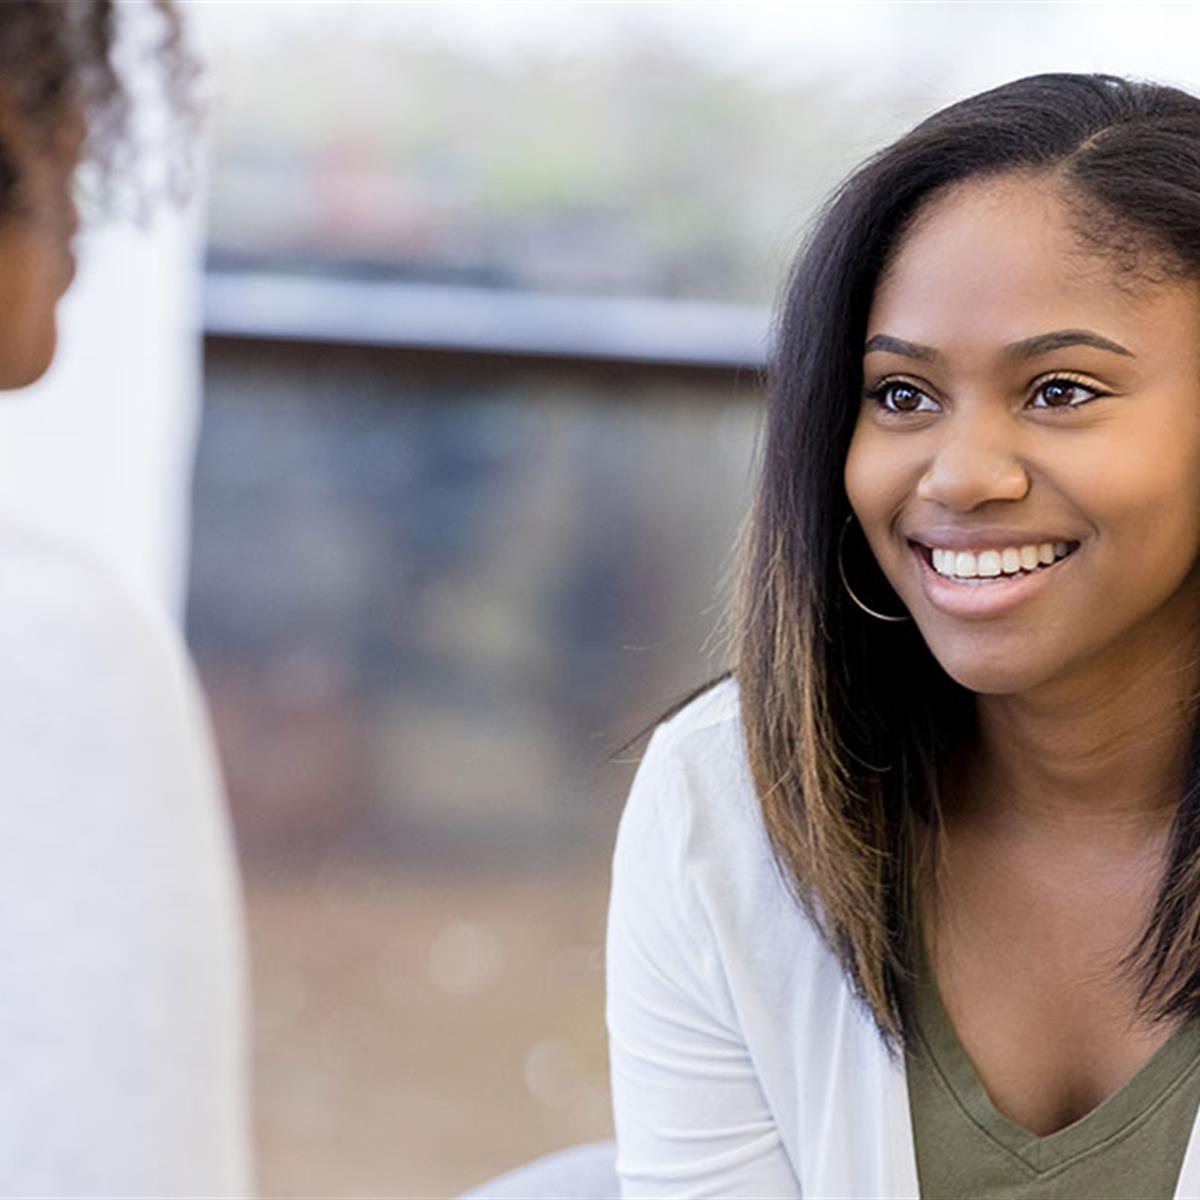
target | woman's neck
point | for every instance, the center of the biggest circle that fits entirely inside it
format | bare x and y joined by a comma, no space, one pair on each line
1100,756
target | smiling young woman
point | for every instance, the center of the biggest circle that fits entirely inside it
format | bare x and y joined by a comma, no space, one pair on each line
910,903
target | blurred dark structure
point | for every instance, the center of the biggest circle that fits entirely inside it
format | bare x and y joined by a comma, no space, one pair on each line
435,588
437,582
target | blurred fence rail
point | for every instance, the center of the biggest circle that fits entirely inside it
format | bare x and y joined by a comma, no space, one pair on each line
689,334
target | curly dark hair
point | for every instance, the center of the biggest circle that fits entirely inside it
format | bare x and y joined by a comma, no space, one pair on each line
59,59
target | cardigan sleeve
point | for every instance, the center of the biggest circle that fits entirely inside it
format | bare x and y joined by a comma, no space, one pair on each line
690,1113
121,945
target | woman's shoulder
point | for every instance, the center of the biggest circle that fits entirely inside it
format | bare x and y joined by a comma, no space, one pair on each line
68,616
694,851
694,788
694,773
98,697
704,735
117,885
715,707
51,582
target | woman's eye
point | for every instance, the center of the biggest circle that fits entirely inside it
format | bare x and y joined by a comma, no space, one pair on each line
899,397
1064,393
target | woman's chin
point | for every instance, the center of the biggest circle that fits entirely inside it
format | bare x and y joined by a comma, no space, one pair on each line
26,364
991,672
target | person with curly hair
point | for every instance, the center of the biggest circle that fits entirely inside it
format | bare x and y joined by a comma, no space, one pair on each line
122,1029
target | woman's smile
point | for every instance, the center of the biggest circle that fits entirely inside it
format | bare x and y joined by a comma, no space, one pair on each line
992,594
1027,436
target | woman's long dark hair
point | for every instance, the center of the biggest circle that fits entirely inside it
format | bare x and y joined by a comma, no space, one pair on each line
848,719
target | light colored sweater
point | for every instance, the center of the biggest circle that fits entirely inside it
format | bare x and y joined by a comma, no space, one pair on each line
742,1064
123,1065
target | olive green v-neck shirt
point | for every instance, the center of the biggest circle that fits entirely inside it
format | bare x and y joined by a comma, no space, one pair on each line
1130,1147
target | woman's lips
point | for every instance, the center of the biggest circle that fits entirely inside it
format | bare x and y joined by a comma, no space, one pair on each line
994,597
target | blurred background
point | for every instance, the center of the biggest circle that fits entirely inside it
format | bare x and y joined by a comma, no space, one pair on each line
433,422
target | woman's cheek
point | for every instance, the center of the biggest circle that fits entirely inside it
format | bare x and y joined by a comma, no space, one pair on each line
879,475
857,476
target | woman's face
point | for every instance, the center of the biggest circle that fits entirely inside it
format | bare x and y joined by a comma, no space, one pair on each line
37,262
1020,396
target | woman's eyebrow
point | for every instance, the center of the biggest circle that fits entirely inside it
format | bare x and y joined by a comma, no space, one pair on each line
1043,343
895,345
1031,347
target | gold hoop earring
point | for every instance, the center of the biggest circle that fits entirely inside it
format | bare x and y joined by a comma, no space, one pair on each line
846,584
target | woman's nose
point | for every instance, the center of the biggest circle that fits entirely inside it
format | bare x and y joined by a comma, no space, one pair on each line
974,462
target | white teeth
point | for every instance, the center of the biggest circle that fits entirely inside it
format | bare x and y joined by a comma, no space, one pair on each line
988,564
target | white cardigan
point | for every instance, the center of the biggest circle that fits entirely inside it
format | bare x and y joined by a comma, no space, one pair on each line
742,1065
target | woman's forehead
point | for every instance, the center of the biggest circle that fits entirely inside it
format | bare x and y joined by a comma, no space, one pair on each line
993,262
983,231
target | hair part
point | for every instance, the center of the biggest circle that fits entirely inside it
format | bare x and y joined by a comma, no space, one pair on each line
851,725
